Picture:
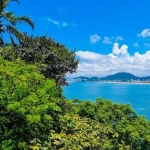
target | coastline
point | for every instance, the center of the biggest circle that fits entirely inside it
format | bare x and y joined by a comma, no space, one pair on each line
123,82
119,82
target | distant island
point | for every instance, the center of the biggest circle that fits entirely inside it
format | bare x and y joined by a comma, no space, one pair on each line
118,77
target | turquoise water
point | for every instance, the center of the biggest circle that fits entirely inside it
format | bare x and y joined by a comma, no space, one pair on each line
137,95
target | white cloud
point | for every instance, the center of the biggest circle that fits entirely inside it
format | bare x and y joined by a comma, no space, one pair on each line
145,33
136,44
58,23
87,55
119,38
94,38
95,64
107,40
112,55
120,51
110,40
52,21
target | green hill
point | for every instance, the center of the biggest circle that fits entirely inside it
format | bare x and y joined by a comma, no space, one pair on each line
81,78
122,76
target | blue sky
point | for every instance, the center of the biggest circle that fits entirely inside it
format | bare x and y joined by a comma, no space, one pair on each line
109,35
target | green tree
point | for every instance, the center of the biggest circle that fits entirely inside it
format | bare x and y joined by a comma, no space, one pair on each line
28,105
53,59
80,133
8,22
132,130
105,111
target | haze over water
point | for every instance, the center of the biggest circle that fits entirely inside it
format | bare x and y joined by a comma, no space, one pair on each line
137,95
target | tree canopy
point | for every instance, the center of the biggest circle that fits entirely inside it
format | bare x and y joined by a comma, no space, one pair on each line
53,59
28,106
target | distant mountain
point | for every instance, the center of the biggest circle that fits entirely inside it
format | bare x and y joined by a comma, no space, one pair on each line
145,78
121,76
81,77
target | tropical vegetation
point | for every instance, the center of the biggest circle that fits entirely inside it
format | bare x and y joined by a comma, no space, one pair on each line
8,22
35,115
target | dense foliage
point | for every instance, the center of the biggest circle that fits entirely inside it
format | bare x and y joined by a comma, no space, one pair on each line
133,131
28,107
52,59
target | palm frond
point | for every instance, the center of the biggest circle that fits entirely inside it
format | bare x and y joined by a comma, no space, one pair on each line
9,16
12,40
1,42
3,5
2,29
15,32
8,22
26,20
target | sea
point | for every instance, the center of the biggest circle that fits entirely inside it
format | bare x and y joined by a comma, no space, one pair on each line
135,94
